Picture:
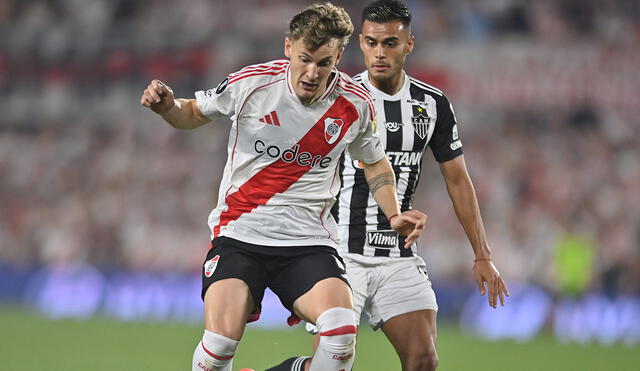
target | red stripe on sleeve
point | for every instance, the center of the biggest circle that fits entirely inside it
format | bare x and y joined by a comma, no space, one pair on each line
280,175
366,98
259,67
272,72
358,87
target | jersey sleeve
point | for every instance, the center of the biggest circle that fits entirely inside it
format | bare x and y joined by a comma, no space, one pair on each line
367,146
445,142
219,101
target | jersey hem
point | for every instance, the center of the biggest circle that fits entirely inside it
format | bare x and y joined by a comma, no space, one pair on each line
378,260
264,241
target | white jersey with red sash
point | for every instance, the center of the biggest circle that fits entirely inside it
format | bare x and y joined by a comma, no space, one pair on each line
281,174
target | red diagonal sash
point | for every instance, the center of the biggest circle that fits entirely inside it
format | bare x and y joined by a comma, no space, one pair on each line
278,176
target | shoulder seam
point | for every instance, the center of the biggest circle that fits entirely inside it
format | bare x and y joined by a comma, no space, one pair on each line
272,70
364,95
357,87
425,86
259,67
358,78
274,63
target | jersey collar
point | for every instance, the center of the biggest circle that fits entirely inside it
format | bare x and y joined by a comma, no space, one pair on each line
288,78
385,96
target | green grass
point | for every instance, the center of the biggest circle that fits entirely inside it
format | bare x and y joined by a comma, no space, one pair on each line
30,342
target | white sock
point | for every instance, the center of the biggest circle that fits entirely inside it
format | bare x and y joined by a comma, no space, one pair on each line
336,351
214,353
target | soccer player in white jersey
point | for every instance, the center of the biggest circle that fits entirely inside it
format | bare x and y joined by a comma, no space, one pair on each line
292,121
389,282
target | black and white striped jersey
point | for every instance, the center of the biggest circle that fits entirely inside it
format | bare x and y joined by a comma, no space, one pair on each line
418,116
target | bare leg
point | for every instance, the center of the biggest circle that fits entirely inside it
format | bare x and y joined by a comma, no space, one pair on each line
227,303
413,335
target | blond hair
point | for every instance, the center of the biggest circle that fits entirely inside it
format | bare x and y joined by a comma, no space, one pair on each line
320,23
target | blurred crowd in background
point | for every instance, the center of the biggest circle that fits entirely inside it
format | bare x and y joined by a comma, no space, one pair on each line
547,96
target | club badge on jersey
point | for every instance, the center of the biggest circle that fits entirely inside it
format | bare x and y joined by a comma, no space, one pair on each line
420,119
332,129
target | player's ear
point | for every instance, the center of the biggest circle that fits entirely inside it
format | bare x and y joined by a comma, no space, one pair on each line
410,44
361,40
339,55
287,47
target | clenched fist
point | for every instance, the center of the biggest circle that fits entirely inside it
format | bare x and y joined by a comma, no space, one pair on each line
158,96
409,224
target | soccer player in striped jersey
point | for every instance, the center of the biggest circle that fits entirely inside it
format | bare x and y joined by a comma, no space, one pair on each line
291,122
389,281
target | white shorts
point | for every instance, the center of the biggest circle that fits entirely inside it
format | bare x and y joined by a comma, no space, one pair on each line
385,288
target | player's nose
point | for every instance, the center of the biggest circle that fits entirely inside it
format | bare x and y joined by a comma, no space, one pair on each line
312,71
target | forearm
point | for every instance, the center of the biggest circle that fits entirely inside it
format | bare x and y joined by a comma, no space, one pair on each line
185,115
465,203
382,184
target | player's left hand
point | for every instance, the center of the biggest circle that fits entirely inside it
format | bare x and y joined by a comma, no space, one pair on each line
410,224
485,271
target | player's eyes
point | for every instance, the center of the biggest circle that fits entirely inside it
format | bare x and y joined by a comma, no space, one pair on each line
391,44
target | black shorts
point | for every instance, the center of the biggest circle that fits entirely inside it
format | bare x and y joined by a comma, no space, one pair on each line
289,271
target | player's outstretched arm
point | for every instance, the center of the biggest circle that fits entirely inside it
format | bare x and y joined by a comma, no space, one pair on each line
179,113
382,183
465,203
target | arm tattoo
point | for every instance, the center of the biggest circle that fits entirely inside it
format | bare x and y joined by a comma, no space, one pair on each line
381,180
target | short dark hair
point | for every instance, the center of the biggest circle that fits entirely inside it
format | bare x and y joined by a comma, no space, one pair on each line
320,23
383,11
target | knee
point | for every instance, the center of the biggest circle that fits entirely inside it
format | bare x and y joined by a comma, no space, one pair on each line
337,329
421,361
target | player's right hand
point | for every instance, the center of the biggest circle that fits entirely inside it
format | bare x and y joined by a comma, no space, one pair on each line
158,96
485,272
409,224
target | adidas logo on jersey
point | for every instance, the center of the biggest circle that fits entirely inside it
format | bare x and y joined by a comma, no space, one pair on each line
271,119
